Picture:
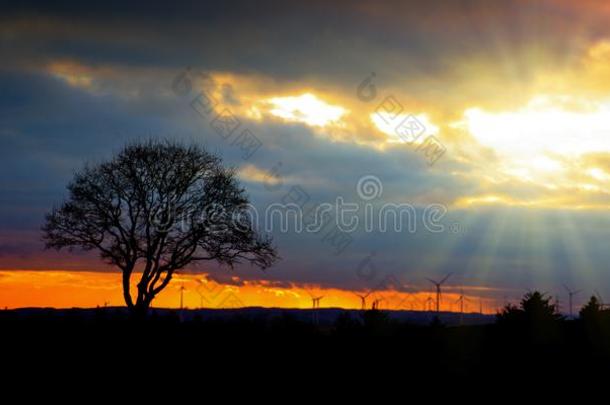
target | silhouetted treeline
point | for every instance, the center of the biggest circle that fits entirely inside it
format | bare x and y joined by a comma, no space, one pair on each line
529,340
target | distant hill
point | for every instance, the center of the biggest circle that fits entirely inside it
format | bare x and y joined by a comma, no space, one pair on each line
326,316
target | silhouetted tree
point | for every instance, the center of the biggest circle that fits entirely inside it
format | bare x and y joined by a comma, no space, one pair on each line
592,310
537,307
510,313
596,322
155,208
534,307
535,314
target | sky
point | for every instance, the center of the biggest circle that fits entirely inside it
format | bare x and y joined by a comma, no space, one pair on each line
508,137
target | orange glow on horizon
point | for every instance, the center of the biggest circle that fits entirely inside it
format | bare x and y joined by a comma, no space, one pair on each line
68,289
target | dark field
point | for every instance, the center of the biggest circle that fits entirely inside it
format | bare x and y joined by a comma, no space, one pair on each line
346,342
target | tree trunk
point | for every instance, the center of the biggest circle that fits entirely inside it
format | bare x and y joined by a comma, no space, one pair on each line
126,291
140,310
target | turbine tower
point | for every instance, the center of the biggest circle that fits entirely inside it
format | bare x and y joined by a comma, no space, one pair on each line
376,303
182,296
438,285
461,301
315,300
571,295
316,306
202,297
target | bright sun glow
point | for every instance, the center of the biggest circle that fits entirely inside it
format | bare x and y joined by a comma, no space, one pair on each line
403,128
542,127
307,109
534,139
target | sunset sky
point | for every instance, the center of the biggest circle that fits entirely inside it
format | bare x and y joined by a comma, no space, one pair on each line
517,93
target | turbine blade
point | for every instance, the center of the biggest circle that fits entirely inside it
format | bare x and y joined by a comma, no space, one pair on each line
445,279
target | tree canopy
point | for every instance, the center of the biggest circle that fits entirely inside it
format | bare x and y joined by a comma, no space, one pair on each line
155,208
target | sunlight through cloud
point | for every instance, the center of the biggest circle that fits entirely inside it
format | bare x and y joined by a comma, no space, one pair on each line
541,127
306,108
391,125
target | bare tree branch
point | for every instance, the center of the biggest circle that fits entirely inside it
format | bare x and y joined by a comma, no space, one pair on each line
154,209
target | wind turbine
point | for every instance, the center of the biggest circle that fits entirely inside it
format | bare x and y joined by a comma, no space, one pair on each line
571,294
201,294
377,302
461,301
316,306
363,298
438,285
315,301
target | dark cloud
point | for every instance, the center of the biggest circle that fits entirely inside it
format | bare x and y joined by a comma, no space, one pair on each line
332,41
